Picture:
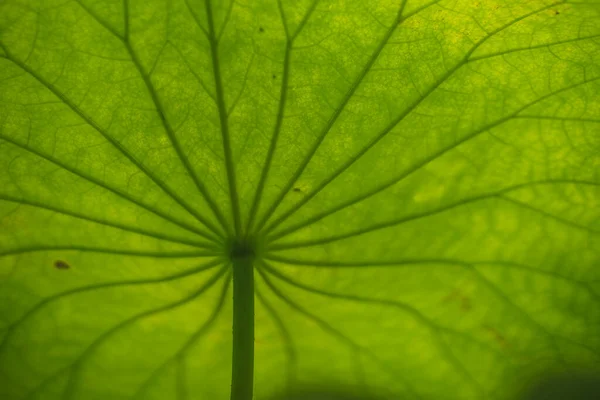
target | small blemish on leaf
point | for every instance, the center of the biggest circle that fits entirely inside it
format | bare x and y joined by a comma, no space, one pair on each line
463,301
261,29
555,12
60,264
274,76
465,304
496,335
297,190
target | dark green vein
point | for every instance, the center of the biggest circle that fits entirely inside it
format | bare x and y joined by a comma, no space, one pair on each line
170,133
304,20
539,46
106,250
125,37
359,371
74,368
196,76
407,111
181,386
411,217
338,111
235,101
505,298
427,160
105,222
526,316
365,263
280,111
369,229
561,119
13,326
408,262
471,267
286,339
283,19
179,356
548,215
322,323
552,274
404,307
115,191
179,150
326,327
195,18
223,119
226,20
101,21
116,144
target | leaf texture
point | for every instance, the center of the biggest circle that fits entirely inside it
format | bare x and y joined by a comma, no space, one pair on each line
417,181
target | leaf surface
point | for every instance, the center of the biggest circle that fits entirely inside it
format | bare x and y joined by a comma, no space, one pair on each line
416,183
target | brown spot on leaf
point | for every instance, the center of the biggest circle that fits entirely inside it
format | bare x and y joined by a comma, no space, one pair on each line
465,304
452,296
496,336
60,264
463,301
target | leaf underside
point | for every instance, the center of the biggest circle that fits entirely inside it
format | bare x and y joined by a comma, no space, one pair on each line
416,181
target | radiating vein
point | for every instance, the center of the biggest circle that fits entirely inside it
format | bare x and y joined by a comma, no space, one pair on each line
407,111
113,142
181,388
427,160
13,326
435,328
195,18
338,111
280,113
286,339
526,316
546,214
419,262
556,118
184,224
404,307
179,150
102,22
352,346
223,119
179,355
361,264
194,73
108,250
159,108
581,284
75,367
498,194
226,20
472,268
105,222
539,46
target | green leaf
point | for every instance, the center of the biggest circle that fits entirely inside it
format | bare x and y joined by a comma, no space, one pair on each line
398,199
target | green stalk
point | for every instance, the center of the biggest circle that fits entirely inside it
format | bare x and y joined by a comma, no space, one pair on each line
242,373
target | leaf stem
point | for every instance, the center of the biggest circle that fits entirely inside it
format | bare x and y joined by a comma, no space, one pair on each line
242,373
